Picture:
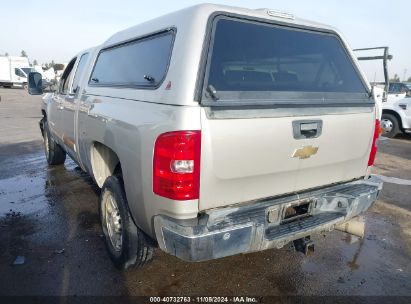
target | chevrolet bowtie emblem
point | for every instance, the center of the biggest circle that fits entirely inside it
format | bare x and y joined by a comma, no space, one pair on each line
305,152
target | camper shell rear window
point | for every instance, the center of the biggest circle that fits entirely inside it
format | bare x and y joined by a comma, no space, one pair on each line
253,61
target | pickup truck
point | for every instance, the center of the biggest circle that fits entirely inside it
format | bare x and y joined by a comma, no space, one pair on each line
396,110
215,131
396,117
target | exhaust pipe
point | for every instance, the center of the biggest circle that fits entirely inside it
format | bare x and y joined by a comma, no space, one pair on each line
355,226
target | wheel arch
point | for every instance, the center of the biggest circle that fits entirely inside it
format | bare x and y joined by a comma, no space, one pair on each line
394,113
104,162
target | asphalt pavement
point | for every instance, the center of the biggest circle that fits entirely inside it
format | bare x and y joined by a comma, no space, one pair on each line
49,225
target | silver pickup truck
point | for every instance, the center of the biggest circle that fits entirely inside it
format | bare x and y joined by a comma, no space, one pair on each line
216,130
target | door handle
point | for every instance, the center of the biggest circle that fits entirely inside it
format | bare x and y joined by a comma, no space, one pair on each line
307,128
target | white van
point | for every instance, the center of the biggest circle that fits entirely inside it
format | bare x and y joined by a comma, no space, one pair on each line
14,71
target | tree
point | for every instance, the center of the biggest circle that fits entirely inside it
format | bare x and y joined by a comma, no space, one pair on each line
58,66
35,62
409,79
396,78
23,53
6,54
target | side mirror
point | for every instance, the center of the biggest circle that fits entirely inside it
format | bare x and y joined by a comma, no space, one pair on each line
35,83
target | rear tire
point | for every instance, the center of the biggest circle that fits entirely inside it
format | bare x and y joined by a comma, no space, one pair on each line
390,125
55,155
126,244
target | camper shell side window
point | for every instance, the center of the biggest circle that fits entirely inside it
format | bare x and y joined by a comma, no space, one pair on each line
139,63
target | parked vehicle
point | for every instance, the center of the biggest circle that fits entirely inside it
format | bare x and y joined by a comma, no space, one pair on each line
13,71
215,130
400,88
396,117
394,107
396,110
396,92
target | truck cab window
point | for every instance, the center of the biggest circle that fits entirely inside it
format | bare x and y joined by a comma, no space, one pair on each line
28,70
79,71
67,75
19,72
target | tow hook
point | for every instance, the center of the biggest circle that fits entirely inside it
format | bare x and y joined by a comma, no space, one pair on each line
304,245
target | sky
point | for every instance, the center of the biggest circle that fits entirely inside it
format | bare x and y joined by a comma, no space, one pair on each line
57,30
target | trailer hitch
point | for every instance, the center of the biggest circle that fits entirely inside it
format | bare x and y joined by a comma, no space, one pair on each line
304,245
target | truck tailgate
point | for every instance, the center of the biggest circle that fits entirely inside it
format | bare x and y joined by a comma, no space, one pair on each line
245,159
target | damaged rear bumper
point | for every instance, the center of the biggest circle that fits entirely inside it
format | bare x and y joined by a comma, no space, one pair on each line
261,225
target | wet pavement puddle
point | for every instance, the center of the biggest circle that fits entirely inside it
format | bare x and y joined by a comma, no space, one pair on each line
22,195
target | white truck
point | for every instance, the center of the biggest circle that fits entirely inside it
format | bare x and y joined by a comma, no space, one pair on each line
396,117
394,104
14,71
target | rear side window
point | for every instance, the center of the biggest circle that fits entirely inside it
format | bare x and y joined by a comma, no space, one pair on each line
80,68
141,63
251,57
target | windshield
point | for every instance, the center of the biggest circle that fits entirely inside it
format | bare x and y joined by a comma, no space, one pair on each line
28,70
249,57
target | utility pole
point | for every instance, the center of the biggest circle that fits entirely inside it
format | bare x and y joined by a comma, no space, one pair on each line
405,75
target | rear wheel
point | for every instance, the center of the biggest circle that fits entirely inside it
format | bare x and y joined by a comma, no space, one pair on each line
390,126
126,243
54,153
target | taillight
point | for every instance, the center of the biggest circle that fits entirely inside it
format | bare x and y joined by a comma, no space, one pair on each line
176,165
377,131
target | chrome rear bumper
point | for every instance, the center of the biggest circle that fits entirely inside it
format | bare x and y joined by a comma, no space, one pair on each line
260,225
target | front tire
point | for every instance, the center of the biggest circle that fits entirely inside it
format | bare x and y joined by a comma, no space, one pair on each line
389,125
55,155
126,243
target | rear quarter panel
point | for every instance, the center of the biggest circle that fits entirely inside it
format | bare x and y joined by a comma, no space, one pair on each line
130,128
